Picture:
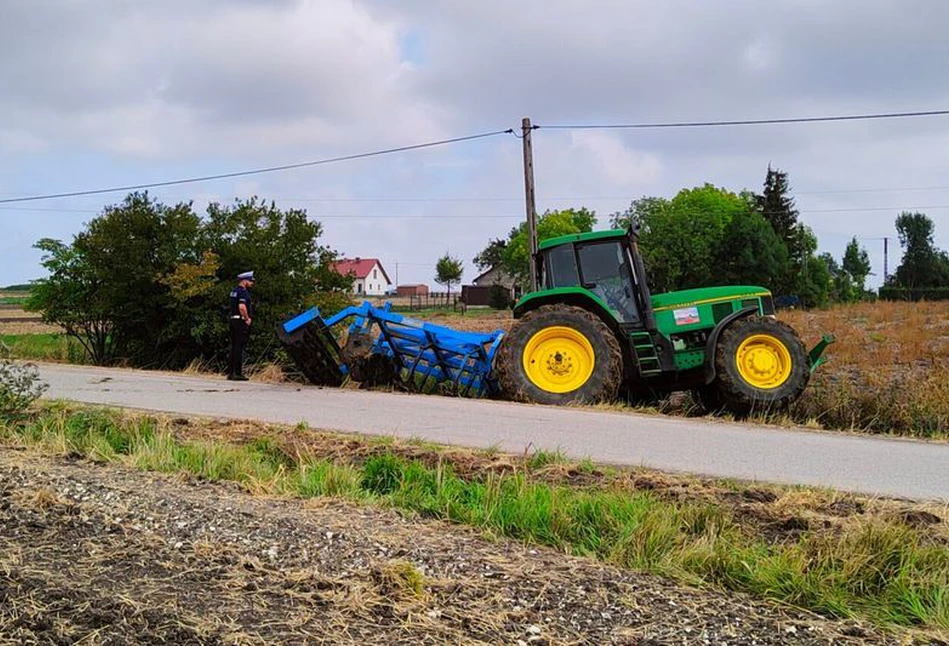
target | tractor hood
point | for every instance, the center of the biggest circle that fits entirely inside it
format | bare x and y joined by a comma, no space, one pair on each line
703,295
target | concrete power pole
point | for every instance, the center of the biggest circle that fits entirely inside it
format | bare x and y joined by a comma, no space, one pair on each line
526,129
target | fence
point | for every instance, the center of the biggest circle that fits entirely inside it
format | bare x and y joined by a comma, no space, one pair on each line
430,301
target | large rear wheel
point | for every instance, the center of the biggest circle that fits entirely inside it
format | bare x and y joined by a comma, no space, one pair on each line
761,366
560,354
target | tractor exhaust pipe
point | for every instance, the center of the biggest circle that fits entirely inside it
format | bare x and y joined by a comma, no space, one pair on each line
639,271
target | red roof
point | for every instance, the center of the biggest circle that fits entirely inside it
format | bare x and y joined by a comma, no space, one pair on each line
359,267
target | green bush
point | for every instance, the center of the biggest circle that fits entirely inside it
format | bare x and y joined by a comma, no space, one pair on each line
499,297
20,386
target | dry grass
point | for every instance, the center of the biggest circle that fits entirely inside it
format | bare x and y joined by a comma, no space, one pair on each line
268,373
888,370
198,367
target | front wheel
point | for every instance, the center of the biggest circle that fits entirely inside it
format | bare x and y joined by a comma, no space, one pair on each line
560,354
761,366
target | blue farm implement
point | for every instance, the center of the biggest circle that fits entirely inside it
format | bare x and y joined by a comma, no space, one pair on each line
382,347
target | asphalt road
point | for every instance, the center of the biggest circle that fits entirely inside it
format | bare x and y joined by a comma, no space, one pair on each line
869,465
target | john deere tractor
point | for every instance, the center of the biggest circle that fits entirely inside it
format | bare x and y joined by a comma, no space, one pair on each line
593,332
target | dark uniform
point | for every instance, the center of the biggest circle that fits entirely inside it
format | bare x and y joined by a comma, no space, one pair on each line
240,330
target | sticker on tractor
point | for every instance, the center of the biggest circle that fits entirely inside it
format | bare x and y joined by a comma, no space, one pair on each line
686,316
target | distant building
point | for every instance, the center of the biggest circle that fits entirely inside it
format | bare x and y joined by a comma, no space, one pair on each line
412,290
369,277
496,276
480,292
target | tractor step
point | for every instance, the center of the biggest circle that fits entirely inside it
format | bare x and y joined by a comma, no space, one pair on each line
647,359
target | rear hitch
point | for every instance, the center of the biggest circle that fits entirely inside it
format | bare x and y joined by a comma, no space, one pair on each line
816,354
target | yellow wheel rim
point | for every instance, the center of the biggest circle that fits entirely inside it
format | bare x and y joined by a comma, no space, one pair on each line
558,359
763,361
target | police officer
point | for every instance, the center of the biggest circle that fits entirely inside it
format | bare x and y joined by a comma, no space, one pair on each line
241,315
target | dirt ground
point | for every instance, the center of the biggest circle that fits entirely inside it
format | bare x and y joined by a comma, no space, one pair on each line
101,554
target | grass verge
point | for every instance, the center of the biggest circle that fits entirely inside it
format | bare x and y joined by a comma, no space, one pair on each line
891,572
44,347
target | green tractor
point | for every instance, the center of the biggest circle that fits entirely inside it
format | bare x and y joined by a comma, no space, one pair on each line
594,333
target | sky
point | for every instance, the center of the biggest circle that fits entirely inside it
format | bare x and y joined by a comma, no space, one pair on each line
98,94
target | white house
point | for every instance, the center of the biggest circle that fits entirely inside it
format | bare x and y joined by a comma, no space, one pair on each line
369,277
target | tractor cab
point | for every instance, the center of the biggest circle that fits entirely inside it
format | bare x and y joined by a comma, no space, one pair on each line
602,265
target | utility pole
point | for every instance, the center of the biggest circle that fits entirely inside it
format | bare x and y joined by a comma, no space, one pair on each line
526,129
885,241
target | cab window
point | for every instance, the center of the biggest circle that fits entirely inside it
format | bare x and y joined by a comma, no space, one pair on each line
605,272
561,270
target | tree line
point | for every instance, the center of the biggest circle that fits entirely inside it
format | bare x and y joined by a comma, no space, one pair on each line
708,236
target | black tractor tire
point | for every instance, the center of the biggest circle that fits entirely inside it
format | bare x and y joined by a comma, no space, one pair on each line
739,396
602,385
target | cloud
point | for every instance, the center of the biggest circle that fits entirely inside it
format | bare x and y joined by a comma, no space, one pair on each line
172,79
101,94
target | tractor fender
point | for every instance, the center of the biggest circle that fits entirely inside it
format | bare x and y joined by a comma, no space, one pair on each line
712,344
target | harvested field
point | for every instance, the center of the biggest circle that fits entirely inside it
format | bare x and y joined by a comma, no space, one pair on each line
888,372
105,554
15,320
14,314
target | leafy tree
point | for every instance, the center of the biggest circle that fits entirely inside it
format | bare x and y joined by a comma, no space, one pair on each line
856,263
750,251
643,210
513,254
683,238
105,289
842,288
551,224
147,284
70,298
814,283
922,265
492,255
448,270
282,247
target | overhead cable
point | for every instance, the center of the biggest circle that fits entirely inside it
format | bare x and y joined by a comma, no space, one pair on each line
256,171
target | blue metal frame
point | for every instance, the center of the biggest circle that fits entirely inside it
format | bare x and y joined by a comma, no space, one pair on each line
425,353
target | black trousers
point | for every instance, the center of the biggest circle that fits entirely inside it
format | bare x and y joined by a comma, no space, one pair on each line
240,333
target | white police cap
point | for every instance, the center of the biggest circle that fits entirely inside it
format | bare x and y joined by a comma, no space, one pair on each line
247,275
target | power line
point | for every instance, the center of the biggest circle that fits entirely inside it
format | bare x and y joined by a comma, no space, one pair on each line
319,216
894,189
744,122
258,171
